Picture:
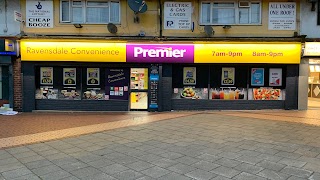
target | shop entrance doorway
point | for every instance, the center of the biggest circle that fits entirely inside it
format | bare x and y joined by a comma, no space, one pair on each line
314,86
139,89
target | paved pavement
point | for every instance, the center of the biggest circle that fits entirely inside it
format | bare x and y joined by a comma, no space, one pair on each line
240,145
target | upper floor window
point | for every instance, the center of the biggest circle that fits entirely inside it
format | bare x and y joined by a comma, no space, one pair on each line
230,12
90,11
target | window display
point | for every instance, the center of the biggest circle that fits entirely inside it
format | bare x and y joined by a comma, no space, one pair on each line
231,93
190,93
227,77
70,93
46,92
93,94
189,76
117,81
46,75
93,76
275,77
257,76
266,93
139,78
69,76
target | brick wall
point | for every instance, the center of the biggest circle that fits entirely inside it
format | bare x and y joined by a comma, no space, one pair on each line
17,85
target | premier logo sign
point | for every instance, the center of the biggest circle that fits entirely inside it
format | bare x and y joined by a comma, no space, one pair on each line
160,53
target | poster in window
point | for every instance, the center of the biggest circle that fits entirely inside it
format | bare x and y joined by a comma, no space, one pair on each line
189,76
46,75
117,81
257,76
93,76
190,92
69,76
275,77
227,77
266,93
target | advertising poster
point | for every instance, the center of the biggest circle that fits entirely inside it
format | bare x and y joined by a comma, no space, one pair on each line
189,76
190,93
117,81
70,93
227,77
282,16
231,93
46,92
93,76
69,76
275,77
46,75
39,14
257,76
93,94
266,93
177,15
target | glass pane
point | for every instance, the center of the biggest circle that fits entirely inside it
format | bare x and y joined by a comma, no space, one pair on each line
231,4
115,12
0,90
0,82
139,78
139,100
205,13
223,16
65,11
77,15
97,15
97,3
244,15
255,13
76,3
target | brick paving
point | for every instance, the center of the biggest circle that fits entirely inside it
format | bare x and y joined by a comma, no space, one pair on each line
238,145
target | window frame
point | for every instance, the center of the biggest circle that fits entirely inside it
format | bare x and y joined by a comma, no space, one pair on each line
237,10
84,7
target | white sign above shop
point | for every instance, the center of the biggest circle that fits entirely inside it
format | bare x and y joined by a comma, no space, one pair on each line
177,15
39,14
312,49
282,16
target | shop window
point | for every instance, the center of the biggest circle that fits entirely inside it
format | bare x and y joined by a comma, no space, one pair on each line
90,11
0,82
230,12
190,82
82,83
267,83
228,83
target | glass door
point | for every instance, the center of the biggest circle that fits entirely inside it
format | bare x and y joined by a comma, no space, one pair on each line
139,89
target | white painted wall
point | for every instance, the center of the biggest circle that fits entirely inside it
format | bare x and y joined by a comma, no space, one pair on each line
308,23
9,27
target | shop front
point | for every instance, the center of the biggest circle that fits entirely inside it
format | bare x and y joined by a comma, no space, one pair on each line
7,55
312,57
151,76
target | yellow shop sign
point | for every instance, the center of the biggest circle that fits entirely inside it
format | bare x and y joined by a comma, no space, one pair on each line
97,51
280,53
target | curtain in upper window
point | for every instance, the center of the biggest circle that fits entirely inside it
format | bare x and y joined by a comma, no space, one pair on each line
230,13
90,11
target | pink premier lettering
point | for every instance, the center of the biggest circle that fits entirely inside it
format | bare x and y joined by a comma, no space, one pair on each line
160,52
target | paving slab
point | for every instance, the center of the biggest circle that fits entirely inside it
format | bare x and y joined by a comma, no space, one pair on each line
200,174
155,172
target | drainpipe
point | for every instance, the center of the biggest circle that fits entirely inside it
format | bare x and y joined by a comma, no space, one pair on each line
160,17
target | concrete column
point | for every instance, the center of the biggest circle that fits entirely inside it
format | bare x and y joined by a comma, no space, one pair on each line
303,84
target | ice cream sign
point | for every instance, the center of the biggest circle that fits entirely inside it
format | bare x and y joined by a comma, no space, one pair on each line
160,53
